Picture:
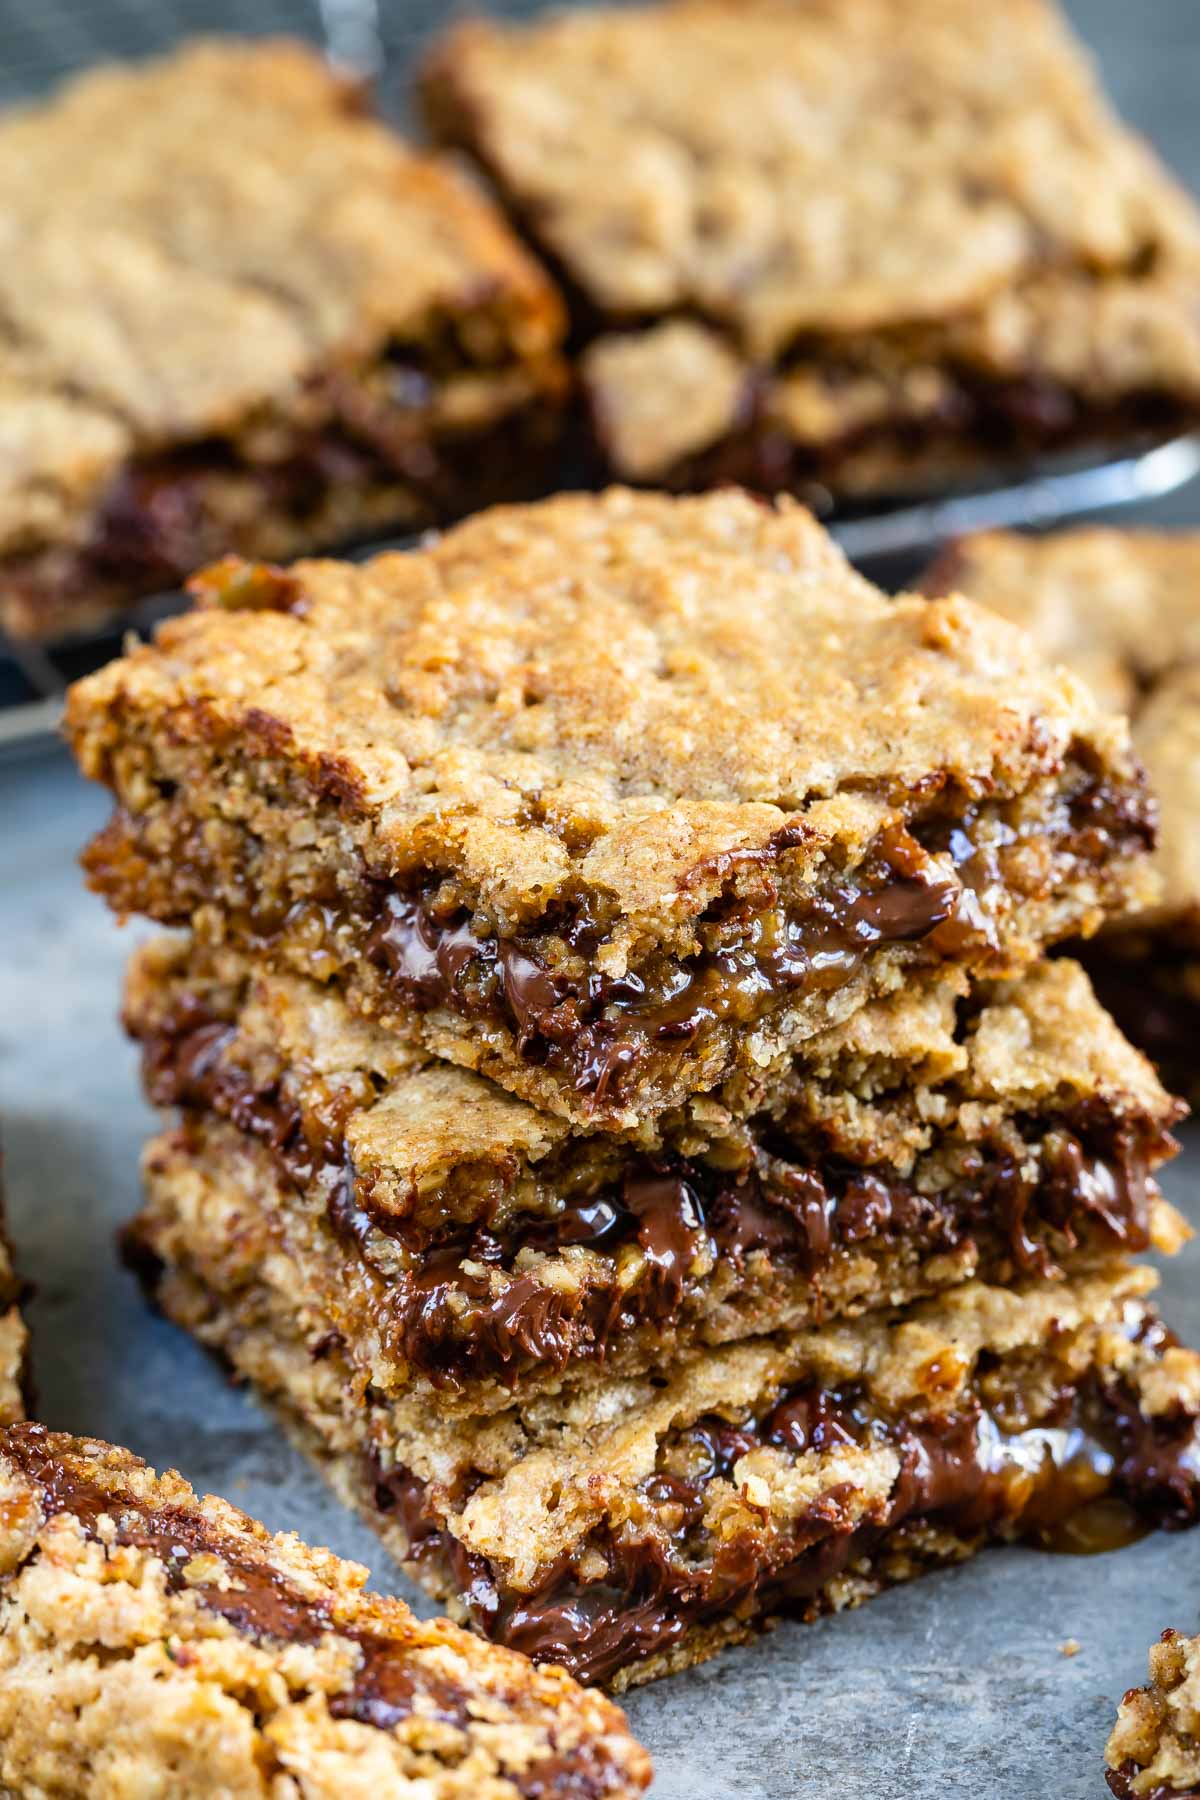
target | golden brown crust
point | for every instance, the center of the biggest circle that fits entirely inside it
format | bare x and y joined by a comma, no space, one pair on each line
152,1638
220,247
615,715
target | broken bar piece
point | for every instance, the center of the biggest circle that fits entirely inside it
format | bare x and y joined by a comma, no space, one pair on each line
152,1641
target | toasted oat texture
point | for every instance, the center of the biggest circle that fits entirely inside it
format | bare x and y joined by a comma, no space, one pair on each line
156,1642
719,184
609,797
238,313
456,1239
628,1527
1153,1750
1122,608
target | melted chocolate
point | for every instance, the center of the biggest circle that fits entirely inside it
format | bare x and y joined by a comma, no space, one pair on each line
963,1470
1008,422
1120,1782
595,1028
157,523
449,1322
258,1600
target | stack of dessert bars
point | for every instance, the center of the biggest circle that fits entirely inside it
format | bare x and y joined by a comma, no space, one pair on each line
627,1127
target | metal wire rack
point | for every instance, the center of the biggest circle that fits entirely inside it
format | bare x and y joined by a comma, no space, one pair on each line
380,38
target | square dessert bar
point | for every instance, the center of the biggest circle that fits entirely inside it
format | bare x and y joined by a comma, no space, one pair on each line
240,314
628,1527
156,1642
451,1239
1153,1750
858,245
1123,609
609,798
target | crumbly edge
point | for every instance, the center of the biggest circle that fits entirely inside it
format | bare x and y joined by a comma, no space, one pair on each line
1153,1750
257,1661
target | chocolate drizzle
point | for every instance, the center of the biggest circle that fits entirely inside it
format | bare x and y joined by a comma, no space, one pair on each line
964,1471
471,1306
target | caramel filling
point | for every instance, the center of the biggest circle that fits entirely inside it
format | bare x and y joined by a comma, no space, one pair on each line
599,1030
596,1028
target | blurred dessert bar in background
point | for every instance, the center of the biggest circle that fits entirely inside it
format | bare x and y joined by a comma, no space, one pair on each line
854,247
1123,609
238,314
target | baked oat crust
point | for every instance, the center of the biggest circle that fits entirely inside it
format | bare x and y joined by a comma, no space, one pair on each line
1153,1750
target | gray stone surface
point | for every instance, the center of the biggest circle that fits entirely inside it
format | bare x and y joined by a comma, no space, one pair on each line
953,1687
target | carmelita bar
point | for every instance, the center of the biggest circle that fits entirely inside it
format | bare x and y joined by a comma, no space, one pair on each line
628,1527
240,314
610,798
156,1642
447,1235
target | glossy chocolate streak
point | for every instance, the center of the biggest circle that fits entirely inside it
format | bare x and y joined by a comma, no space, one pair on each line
963,1471
260,1602
596,1028
454,1326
